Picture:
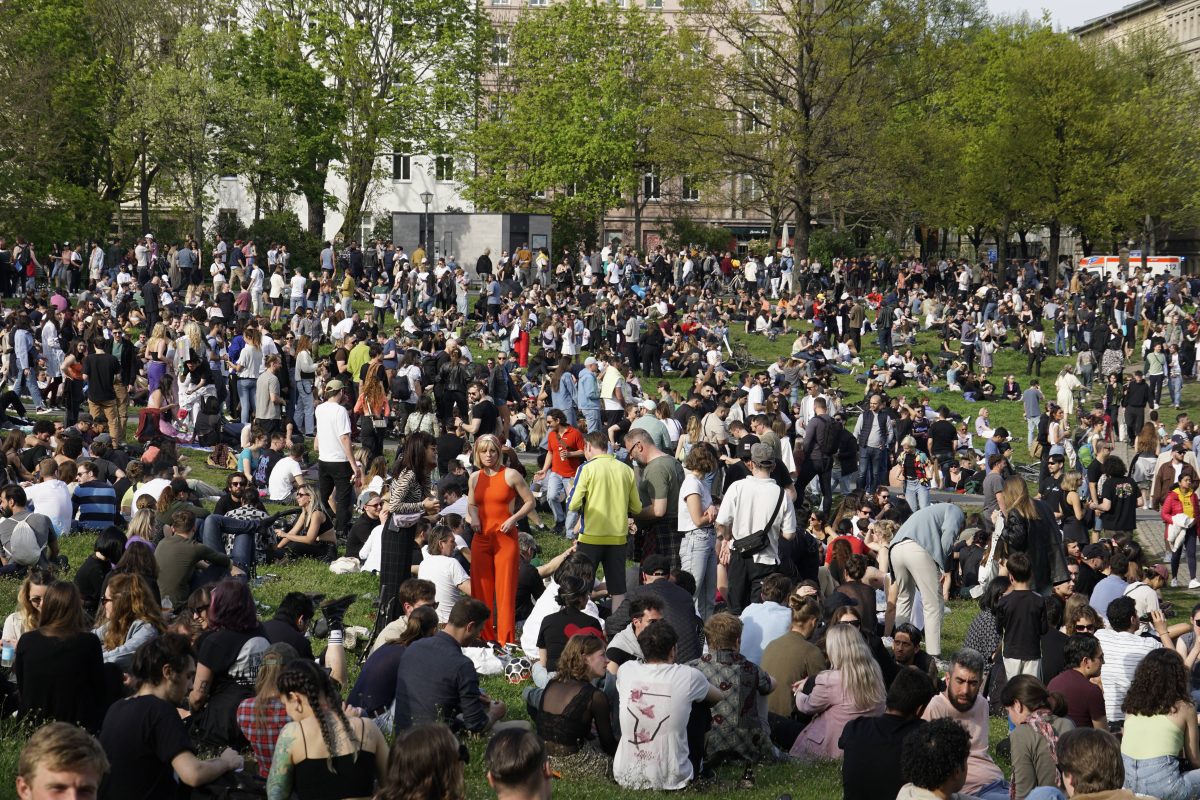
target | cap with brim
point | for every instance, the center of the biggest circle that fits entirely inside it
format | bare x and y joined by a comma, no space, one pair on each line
648,405
1162,571
745,447
1179,448
967,534
334,386
587,362
103,438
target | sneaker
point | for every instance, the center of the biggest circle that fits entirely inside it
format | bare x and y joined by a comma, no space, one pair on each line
1175,584
1194,583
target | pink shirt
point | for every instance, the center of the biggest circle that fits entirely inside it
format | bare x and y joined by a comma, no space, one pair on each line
981,770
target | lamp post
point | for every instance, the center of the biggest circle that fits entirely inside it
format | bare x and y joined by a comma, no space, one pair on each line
426,198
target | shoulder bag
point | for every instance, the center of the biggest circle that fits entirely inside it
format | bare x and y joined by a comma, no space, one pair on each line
749,546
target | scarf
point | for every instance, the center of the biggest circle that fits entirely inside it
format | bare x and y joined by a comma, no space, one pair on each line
1188,501
1040,721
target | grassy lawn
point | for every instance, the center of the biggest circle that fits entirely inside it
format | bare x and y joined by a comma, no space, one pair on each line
810,782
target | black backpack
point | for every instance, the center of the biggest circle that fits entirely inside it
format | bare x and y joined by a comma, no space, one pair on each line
829,437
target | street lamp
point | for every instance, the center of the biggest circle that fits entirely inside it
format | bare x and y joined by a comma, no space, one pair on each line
426,198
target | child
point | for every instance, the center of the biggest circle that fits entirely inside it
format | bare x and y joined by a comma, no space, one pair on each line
440,567
1021,619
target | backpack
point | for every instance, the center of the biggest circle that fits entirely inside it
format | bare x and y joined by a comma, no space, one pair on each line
829,437
401,389
24,546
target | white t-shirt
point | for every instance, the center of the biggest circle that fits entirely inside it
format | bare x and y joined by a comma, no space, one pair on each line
278,285
446,574
279,483
332,424
154,488
543,607
691,485
655,703
52,498
746,507
299,283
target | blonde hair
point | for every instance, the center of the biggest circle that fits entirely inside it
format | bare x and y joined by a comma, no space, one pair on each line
862,679
1071,481
482,441
142,524
1016,497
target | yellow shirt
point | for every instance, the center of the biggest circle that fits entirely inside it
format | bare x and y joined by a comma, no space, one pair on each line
348,287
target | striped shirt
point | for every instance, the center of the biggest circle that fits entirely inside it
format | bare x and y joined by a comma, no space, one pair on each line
1123,651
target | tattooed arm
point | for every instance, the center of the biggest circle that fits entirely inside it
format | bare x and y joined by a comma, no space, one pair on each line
279,781
201,688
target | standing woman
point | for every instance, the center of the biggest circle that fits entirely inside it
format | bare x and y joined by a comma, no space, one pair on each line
322,754
1028,530
410,497
914,468
53,353
697,549
491,507
26,356
374,411
306,372
249,366
72,367
155,355
59,667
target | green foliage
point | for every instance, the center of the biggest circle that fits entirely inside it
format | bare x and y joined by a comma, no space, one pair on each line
825,244
684,231
284,227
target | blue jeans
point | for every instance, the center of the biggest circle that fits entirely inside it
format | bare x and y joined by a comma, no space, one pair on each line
698,557
296,303
1031,428
1046,793
1061,348
557,493
30,382
917,494
305,421
592,415
213,535
245,389
1160,777
996,790
872,468
1175,385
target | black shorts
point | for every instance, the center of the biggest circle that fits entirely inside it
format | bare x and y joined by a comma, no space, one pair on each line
279,302
612,558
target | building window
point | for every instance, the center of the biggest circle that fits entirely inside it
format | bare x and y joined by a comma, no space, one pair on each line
690,191
368,225
654,5
752,116
540,194
571,190
754,5
443,168
500,50
754,53
751,193
537,3
401,167
499,2
651,186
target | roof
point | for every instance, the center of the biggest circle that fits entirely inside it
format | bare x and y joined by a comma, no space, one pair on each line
1122,13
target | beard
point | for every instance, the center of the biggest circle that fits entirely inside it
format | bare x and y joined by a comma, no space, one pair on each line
958,706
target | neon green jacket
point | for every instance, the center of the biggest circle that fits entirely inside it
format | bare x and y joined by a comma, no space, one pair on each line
606,495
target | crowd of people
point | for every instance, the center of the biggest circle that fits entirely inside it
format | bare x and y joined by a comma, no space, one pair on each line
711,604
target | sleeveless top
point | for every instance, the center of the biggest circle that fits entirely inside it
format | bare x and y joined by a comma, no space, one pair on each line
1151,737
351,775
493,497
573,726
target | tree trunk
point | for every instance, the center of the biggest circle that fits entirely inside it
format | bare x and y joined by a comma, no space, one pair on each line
1055,228
315,196
1023,235
1002,243
803,223
198,216
637,219
145,176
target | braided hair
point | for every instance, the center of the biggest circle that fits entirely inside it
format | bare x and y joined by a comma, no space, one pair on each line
305,678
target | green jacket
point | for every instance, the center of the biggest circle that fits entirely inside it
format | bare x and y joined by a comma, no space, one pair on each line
606,495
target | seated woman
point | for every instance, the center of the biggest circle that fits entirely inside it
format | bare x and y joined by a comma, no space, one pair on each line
322,753
571,706
1159,746
161,406
852,687
263,716
312,535
1038,720
147,743
426,761
738,733
89,578
129,616
375,688
29,605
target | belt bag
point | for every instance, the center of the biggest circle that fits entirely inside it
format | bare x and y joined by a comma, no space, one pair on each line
749,546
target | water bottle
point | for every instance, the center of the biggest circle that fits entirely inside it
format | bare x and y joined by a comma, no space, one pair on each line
8,653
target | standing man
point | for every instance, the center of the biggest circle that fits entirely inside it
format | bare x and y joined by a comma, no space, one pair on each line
1032,398
918,556
336,468
1137,397
754,513
818,450
268,403
105,391
564,456
588,394
874,431
661,480
605,496
963,703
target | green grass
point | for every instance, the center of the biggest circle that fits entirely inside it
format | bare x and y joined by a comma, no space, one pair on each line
812,782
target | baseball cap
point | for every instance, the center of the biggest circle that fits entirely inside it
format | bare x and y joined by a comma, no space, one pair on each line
745,446
103,438
762,453
1162,571
334,386
1095,550
587,362
648,405
656,565
1179,448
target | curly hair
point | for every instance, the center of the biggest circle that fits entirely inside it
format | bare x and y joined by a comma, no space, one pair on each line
933,753
424,764
572,663
1159,683
132,600
307,678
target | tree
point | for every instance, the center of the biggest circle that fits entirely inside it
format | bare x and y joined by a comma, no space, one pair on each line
588,106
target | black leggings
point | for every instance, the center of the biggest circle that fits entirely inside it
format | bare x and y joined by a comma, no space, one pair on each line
1189,544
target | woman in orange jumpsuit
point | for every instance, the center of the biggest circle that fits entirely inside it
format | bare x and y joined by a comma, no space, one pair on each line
491,508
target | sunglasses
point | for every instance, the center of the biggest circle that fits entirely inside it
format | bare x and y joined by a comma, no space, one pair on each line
851,622
1079,628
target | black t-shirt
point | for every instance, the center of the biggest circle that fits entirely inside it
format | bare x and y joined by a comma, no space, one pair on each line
1095,470
34,456
486,412
449,447
559,627
141,736
1123,494
529,589
360,531
101,370
871,756
942,436
969,558
280,629
1051,490
1021,620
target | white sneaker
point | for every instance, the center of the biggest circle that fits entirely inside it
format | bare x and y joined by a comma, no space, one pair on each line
1194,584
1175,583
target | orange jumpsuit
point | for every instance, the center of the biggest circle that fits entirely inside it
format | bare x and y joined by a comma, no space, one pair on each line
495,558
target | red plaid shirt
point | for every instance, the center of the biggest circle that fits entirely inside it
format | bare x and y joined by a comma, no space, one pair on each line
262,737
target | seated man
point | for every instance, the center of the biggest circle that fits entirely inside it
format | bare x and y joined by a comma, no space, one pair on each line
662,742
517,766
26,539
678,606
281,484
94,501
51,496
184,564
436,682
935,761
871,746
906,648
1090,763
413,593
963,703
